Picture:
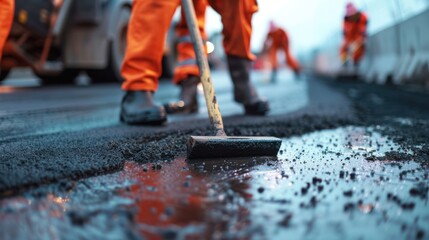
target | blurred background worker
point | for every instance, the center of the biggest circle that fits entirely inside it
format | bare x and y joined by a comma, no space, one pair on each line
141,69
277,39
354,31
6,18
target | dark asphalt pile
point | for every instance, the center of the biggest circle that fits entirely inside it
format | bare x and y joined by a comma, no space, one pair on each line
45,159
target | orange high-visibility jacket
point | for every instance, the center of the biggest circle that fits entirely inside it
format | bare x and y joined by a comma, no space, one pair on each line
278,38
6,18
355,26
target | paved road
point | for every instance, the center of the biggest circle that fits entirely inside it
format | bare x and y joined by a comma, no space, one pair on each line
69,127
353,165
77,108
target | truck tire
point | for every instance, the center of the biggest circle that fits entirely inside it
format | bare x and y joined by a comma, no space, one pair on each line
4,74
65,77
112,72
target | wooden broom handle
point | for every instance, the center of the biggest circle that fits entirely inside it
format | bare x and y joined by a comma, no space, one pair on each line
203,65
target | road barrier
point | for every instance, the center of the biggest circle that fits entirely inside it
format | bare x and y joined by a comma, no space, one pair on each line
399,54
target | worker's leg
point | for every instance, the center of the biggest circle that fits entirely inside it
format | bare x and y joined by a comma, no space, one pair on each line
273,77
186,61
237,25
344,51
358,53
237,30
274,63
6,18
290,60
147,31
186,73
273,57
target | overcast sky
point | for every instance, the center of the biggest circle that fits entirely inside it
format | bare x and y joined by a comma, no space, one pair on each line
312,22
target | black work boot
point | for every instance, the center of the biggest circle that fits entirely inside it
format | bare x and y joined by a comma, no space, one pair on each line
137,107
244,91
297,74
188,102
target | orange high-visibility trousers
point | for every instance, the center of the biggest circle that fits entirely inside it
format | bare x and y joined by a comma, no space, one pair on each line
186,60
6,18
355,47
236,18
280,41
147,31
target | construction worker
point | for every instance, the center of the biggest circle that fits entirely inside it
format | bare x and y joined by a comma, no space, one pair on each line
147,30
6,18
277,39
354,31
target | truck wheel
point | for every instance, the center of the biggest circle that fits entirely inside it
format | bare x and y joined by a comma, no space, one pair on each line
4,74
112,73
65,77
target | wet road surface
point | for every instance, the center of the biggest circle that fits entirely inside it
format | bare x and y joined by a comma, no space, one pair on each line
71,132
353,165
320,187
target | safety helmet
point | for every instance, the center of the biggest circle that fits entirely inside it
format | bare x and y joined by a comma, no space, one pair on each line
273,26
351,9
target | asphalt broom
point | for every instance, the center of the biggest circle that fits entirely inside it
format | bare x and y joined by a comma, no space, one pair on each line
220,145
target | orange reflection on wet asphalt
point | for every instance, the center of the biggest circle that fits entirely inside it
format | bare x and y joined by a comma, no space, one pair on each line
175,196
7,89
166,196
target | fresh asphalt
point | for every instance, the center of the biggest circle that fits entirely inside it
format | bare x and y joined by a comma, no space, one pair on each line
353,165
63,132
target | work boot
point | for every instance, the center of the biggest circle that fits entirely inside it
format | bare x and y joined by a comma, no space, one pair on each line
356,65
188,102
137,107
297,74
244,91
